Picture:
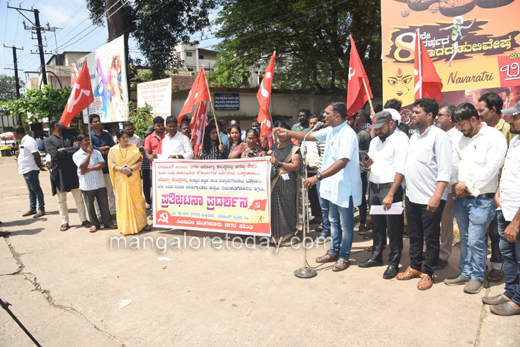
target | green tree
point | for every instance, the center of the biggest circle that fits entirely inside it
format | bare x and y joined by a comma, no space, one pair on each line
37,104
141,117
310,38
7,88
157,25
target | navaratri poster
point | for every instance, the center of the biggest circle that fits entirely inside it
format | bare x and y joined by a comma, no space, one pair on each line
107,68
474,45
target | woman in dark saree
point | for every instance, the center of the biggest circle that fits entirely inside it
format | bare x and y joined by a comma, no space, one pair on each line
286,209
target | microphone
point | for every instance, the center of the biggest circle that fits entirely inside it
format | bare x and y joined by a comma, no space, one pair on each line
317,126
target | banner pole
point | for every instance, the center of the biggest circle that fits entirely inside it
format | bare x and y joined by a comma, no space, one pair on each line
368,95
420,63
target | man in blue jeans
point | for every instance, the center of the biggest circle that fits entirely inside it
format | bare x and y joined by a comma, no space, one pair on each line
341,182
29,165
477,159
507,199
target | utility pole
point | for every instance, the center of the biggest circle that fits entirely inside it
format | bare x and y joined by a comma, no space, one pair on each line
40,44
15,62
17,81
36,26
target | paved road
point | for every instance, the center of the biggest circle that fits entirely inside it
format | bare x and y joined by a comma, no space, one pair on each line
66,287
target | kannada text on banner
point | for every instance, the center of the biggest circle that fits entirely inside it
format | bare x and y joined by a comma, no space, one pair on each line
474,45
213,195
157,94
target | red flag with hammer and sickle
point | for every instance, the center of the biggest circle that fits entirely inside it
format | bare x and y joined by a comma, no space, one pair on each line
358,91
80,97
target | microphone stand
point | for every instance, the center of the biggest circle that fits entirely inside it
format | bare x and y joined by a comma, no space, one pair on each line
5,305
305,271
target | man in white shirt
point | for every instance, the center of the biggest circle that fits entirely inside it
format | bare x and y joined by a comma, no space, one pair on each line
477,159
133,139
427,172
386,161
175,145
445,122
29,165
90,164
507,198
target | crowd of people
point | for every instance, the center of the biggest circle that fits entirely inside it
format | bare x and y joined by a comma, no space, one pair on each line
461,163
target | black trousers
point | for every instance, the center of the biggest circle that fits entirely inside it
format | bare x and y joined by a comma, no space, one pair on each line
363,206
424,227
314,200
492,232
380,223
89,196
147,185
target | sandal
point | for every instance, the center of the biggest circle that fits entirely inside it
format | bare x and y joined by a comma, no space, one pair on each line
28,213
426,282
93,229
409,274
39,214
368,236
65,227
148,227
110,226
86,223
495,275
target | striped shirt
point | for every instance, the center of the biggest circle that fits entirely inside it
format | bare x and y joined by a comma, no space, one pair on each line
321,152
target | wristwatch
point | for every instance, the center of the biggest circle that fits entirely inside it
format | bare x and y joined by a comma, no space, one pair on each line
318,176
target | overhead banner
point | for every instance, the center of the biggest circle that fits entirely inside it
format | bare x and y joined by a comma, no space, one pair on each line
231,196
474,45
107,68
157,94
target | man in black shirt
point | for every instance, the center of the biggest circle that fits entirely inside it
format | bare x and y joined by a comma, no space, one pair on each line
64,176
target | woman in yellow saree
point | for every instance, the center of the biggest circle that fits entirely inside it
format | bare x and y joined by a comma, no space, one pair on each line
124,162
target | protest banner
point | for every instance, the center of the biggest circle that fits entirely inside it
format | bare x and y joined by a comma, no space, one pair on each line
231,196
157,94
107,69
474,46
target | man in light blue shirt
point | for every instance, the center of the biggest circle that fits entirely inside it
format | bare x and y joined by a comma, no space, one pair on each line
90,164
340,182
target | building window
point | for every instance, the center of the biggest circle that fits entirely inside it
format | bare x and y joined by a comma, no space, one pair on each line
190,69
201,56
189,54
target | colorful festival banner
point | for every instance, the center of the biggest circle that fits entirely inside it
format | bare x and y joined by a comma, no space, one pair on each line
231,196
474,45
107,67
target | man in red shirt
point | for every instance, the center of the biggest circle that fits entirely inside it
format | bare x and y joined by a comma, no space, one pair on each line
152,144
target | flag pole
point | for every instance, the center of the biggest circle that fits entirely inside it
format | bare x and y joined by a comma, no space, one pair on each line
368,95
420,63
89,130
212,108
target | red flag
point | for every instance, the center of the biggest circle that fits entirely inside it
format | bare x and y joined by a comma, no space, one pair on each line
198,93
80,97
197,125
264,97
356,93
258,205
425,75
202,88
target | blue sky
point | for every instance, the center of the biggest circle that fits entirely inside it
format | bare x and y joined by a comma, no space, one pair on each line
76,34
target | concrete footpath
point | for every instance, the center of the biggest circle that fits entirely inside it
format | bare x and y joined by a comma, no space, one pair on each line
67,287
